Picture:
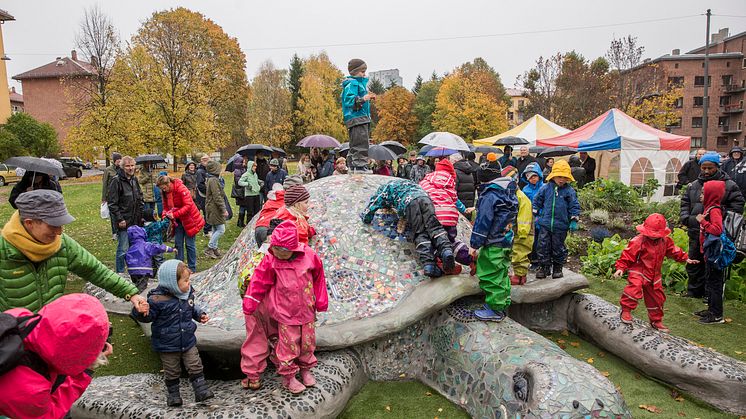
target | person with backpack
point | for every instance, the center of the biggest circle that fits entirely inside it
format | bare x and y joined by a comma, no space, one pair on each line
47,360
711,246
691,206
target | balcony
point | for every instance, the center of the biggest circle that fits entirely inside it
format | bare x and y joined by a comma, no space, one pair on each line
733,108
735,88
727,129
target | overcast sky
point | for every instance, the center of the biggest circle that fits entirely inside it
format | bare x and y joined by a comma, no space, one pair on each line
274,30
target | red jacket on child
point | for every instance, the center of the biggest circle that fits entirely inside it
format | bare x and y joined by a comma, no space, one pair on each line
713,191
645,256
270,208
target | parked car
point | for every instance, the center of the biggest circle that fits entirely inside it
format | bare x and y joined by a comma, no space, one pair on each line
75,161
71,168
8,174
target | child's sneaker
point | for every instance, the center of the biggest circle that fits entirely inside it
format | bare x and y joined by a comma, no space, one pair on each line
249,384
626,317
487,314
292,384
449,260
433,271
557,272
710,318
660,326
306,376
541,272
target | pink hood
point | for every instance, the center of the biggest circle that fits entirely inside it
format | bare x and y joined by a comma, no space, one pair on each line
286,235
71,333
440,185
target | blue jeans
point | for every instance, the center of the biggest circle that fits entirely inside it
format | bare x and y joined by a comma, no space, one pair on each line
191,248
217,232
123,244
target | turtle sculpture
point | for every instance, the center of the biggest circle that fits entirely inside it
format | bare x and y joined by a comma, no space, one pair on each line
387,321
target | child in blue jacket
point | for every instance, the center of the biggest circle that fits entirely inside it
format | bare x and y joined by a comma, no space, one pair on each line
557,209
356,113
492,234
173,312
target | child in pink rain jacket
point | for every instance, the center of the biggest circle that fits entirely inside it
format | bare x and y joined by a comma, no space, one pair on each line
291,276
440,186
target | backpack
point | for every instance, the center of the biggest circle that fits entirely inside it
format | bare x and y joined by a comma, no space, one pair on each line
720,250
734,225
244,277
13,330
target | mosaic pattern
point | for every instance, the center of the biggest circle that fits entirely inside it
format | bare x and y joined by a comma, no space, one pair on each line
477,364
370,268
339,376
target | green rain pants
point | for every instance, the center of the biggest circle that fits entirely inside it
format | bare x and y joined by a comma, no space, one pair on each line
521,249
492,270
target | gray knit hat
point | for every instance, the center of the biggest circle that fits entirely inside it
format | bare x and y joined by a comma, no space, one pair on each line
355,65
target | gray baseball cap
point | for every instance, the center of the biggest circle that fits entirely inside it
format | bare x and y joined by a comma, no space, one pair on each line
45,205
274,162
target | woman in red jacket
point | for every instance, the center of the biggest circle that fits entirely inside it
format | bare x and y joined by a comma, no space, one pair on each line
179,207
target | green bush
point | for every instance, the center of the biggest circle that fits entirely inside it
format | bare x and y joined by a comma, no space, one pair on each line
602,257
609,195
576,245
669,209
599,216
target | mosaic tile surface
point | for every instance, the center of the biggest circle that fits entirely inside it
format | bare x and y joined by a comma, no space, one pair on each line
370,268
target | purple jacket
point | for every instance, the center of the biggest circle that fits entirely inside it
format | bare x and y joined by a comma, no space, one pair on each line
140,252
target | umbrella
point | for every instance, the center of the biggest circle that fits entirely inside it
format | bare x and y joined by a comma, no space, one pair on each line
343,147
250,150
558,151
229,164
395,146
379,152
425,149
36,164
536,149
279,150
320,141
511,141
440,152
149,158
487,149
446,140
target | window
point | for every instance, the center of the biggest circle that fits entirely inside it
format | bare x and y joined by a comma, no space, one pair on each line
696,122
723,121
724,100
743,65
676,65
698,101
676,81
727,79
727,63
700,80
696,143
675,124
679,103
520,102
510,116
722,142
672,172
642,170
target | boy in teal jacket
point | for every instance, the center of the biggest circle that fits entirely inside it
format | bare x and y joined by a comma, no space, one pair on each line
356,112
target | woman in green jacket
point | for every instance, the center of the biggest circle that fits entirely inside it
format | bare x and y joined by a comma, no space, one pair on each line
216,211
251,186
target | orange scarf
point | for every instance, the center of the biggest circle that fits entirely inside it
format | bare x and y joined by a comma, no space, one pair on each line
15,233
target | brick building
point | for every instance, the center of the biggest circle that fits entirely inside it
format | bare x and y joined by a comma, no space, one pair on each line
50,91
726,87
517,102
16,101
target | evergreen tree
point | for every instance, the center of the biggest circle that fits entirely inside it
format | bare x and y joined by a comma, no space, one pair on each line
375,86
417,85
294,81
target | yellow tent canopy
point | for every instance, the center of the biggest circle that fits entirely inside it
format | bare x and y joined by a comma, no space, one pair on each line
535,128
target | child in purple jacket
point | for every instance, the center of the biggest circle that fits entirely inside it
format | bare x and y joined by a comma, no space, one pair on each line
140,254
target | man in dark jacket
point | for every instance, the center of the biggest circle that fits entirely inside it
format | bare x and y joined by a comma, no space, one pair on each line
125,207
466,178
275,175
327,168
110,172
734,157
691,206
589,164
578,172
523,160
202,189
690,170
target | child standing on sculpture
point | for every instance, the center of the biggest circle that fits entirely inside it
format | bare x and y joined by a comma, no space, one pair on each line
492,234
173,313
524,239
643,259
557,209
356,113
413,205
291,276
440,186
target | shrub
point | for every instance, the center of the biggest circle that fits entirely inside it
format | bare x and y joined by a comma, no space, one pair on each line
599,216
618,223
669,209
610,195
576,245
602,257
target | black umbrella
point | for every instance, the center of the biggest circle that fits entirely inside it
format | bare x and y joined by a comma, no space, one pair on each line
395,146
536,149
484,149
250,150
279,150
36,164
229,164
558,151
511,141
149,158
379,152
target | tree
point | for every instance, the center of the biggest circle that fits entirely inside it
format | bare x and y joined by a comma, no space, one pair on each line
294,77
424,107
270,107
97,123
540,83
623,55
657,110
9,145
417,85
375,86
396,120
37,138
467,106
193,77
483,75
582,90
319,105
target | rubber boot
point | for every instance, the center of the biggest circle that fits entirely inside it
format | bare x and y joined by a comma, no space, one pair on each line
541,272
307,378
557,272
174,396
201,391
292,384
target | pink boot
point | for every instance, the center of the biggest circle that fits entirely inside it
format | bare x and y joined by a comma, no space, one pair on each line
307,377
292,384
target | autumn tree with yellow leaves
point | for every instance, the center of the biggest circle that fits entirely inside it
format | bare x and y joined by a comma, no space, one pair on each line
269,107
471,102
658,110
319,107
396,120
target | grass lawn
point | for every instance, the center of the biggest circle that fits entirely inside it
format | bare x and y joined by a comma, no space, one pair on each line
413,399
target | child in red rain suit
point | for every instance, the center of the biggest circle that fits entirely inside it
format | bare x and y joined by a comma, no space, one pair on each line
291,275
643,258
